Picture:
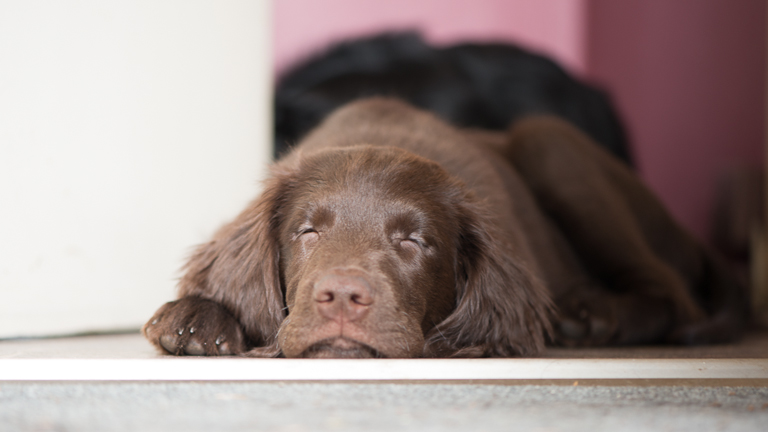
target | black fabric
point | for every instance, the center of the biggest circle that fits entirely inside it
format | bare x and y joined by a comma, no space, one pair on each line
469,85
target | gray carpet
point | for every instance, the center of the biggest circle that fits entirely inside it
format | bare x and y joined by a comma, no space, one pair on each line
191,407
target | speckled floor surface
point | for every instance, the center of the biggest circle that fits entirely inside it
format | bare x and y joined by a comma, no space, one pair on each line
377,407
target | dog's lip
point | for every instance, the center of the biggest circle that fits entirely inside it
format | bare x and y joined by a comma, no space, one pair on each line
340,347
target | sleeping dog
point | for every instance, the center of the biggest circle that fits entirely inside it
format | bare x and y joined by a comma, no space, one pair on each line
387,232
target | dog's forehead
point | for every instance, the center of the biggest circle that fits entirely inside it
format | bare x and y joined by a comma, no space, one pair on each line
372,184
370,169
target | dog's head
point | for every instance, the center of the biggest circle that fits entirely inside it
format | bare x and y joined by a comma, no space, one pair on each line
371,252
368,244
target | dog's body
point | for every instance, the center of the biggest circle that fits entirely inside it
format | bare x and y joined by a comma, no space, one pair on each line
390,233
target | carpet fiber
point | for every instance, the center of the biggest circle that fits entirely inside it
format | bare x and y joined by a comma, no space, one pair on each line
194,407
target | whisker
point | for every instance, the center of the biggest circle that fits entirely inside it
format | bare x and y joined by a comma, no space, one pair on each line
405,332
282,326
437,327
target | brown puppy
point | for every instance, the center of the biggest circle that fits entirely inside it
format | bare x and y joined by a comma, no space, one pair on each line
388,233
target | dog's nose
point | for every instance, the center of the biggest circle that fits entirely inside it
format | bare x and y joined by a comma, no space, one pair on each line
343,297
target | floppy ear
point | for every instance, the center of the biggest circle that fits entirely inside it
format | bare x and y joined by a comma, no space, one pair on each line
239,269
502,309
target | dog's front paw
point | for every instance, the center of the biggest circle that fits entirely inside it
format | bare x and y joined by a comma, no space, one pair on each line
585,320
195,326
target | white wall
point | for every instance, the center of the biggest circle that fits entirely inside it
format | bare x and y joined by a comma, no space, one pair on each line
129,131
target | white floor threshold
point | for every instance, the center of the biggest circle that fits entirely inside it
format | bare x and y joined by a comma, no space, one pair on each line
131,358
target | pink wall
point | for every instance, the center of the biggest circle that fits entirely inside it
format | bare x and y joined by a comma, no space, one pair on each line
689,77
554,27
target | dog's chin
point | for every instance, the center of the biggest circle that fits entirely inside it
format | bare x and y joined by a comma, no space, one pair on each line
340,347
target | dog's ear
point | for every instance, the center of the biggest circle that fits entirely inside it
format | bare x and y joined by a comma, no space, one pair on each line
502,309
239,268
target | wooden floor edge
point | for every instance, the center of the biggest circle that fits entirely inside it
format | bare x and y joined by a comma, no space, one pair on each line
714,382
433,371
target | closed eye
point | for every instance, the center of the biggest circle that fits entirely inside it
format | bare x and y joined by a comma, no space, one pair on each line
307,233
410,242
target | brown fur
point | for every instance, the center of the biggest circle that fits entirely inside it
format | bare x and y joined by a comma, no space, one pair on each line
388,233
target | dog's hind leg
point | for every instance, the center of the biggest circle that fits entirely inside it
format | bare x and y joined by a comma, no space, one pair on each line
651,268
